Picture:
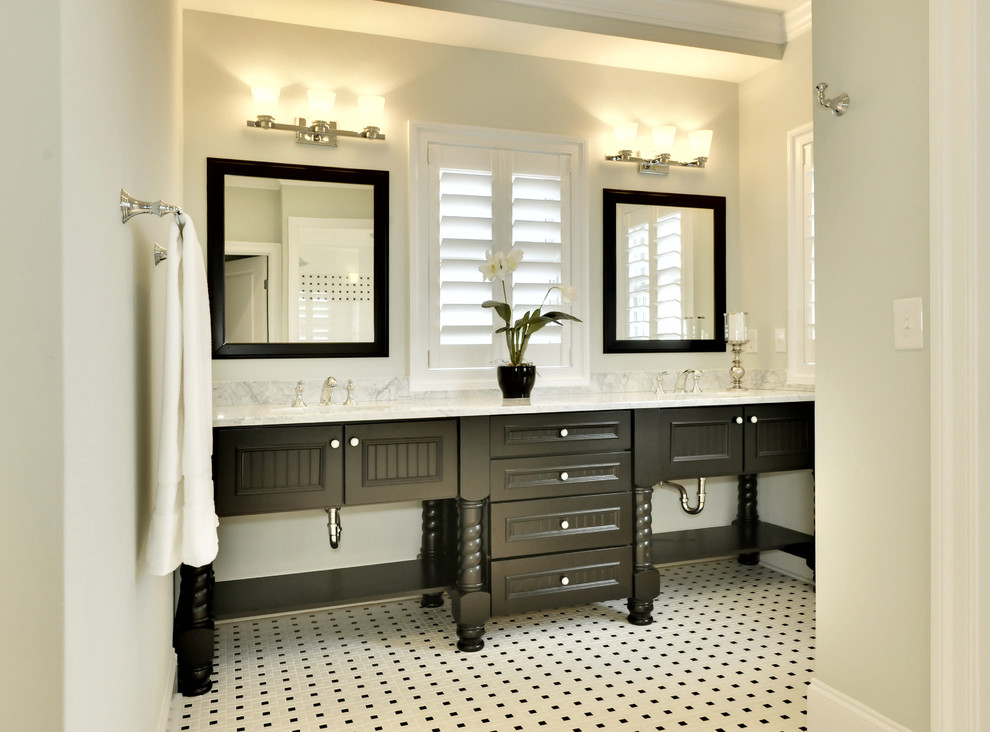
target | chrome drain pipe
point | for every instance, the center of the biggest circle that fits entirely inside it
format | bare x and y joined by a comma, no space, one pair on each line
333,526
685,502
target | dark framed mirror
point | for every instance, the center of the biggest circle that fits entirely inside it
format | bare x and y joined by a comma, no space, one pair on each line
297,260
664,269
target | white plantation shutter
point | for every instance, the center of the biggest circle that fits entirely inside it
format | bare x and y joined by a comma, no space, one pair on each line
654,274
484,199
801,254
808,247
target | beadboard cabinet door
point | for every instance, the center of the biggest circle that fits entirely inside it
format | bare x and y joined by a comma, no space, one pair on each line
277,468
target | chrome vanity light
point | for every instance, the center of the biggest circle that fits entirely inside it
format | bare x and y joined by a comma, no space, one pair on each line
663,139
320,132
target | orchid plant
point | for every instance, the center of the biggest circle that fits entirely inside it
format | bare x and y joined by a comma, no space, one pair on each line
497,267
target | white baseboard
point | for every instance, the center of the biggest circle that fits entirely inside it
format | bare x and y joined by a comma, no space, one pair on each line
167,693
830,710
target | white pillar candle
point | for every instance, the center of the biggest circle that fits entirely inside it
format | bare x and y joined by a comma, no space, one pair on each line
737,327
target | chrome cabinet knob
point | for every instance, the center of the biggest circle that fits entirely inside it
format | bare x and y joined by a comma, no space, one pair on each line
754,419
355,442
564,475
563,432
334,443
565,524
739,420
565,580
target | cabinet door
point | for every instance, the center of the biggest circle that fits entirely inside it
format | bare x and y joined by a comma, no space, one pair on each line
400,461
277,468
687,442
779,437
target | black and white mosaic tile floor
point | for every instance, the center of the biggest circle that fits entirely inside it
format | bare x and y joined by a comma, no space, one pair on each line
731,648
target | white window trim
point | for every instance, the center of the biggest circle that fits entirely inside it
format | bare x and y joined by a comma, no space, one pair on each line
421,136
798,372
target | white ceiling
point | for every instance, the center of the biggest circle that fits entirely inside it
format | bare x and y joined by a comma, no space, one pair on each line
712,39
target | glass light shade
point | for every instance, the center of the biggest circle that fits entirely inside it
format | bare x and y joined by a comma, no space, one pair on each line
625,135
321,102
663,138
265,99
701,143
735,328
372,110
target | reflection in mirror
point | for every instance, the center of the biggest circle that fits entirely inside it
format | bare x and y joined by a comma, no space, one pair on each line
303,268
664,265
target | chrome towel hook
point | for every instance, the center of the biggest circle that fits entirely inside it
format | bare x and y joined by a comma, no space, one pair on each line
838,105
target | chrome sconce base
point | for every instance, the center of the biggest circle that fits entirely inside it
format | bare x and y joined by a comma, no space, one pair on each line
319,133
660,165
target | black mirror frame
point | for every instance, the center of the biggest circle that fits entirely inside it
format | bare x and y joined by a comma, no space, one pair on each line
611,198
216,171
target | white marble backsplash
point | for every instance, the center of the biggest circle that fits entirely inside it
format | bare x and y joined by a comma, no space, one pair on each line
279,392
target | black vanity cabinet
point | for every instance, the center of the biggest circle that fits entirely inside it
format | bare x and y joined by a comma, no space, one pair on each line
743,440
277,468
561,512
296,467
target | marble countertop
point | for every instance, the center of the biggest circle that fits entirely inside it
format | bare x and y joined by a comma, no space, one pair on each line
413,408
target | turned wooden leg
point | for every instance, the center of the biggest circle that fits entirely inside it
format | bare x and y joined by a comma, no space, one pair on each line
646,579
747,514
192,630
471,606
433,545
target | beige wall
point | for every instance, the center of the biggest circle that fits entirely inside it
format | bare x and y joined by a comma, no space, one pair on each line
86,631
32,519
873,421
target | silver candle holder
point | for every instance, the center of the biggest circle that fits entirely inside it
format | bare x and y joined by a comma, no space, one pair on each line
737,335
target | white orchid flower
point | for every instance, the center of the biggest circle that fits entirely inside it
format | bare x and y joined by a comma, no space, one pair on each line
493,266
569,293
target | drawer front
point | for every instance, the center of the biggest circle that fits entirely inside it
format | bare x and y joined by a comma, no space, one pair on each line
561,524
546,477
271,469
575,578
779,437
555,434
400,461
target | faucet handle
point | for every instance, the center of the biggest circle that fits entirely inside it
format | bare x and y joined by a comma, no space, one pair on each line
350,393
660,390
299,400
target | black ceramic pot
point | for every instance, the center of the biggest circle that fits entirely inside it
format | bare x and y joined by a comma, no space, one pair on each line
516,382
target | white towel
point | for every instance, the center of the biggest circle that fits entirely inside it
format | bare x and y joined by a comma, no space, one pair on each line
184,524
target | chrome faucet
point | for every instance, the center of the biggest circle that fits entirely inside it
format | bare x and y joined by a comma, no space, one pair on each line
326,396
682,385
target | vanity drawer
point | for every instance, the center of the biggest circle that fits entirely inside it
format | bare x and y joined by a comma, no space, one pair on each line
574,578
546,477
561,524
555,434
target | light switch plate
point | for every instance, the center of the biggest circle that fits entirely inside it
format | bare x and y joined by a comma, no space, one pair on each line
780,340
909,330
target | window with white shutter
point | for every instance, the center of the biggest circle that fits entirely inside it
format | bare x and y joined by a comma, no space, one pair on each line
801,178
475,191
